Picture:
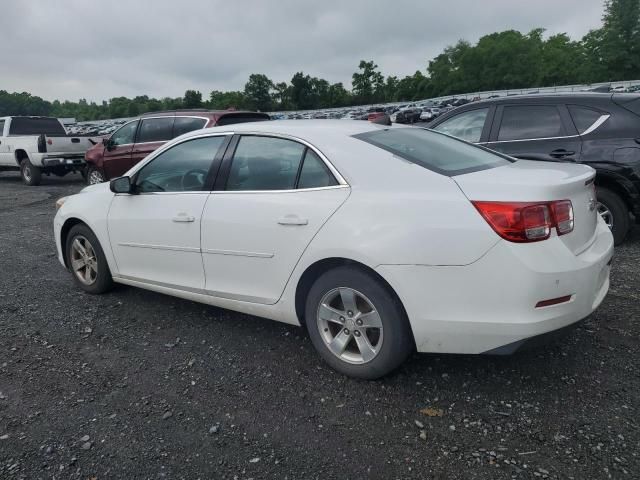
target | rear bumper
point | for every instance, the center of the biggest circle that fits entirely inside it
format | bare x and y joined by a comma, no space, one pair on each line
491,303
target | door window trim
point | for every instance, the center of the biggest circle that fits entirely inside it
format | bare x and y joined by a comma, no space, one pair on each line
221,180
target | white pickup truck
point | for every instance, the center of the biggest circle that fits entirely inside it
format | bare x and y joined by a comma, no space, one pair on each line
37,145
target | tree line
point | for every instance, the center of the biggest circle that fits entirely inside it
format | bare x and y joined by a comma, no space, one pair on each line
498,61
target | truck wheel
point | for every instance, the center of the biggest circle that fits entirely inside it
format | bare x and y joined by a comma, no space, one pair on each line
30,175
614,212
94,176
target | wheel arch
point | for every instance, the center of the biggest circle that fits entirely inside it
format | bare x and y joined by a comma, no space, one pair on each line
20,154
313,271
64,232
611,183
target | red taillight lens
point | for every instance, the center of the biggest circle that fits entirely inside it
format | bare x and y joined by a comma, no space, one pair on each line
563,216
49,141
527,222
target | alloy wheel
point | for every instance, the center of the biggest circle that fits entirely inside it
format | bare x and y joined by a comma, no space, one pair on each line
95,177
606,214
84,262
350,325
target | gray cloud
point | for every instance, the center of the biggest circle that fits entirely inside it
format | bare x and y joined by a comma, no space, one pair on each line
70,49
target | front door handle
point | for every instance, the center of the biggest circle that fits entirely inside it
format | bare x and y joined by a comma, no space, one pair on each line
292,220
183,218
561,153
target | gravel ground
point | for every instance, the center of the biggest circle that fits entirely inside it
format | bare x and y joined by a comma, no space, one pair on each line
134,384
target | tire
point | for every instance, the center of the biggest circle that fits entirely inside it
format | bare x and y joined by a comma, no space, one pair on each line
392,343
98,280
614,212
30,174
94,176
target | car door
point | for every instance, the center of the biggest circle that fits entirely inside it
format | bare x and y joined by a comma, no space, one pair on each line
471,125
535,132
155,232
272,197
152,134
116,158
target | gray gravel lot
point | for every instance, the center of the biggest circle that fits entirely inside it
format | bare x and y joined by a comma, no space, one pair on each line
134,384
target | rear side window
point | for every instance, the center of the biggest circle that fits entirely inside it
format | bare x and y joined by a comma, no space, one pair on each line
265,163
183,125
467,126
155,130
583,117
524,122
314,172
36,126
434,151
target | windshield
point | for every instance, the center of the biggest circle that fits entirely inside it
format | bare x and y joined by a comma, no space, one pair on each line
435,151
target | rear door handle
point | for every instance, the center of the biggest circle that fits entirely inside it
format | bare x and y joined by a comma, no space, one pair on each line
183,218
292,220
561,153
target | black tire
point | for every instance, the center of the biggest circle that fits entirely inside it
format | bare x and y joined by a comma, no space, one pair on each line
92,174
397,342
103,281
619,213
30,174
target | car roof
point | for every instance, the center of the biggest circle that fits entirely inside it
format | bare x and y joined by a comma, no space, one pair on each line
542,98
306,129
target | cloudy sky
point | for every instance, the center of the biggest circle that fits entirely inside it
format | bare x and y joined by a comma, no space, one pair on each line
69,49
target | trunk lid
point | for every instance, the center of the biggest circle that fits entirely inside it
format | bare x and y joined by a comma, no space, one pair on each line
530,181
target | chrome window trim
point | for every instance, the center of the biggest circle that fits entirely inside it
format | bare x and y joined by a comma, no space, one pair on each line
290,190
603,118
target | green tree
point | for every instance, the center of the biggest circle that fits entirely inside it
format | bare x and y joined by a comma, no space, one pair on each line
192,99
367,82
257,92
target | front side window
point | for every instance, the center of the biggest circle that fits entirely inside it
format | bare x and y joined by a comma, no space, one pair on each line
583,117
524,122
182,168
265,163
434,151
125,134
1,127
183,125
466,126
155,130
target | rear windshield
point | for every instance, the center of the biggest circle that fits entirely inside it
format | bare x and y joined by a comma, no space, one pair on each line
36,126
435,151
231,118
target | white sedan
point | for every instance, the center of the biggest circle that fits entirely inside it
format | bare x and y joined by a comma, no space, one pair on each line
381,240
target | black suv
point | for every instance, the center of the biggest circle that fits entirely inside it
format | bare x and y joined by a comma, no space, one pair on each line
600,130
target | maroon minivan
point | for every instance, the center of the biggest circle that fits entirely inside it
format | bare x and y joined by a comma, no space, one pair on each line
139,137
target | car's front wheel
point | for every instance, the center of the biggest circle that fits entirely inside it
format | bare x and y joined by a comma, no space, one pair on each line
356,324
94,176
86,260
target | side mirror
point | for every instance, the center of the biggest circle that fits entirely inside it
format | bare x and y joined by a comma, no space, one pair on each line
108,143
121,185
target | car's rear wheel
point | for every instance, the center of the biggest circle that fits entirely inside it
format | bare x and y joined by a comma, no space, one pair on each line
614,212
30,174
86,260
356,324
94,176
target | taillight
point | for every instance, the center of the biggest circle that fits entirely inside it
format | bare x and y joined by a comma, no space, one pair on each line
563,216
49,141
527,222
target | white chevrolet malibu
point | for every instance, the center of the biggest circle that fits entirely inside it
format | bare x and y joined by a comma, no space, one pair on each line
380,240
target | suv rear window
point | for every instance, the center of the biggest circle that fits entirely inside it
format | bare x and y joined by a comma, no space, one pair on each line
231,118
434,151
36,126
